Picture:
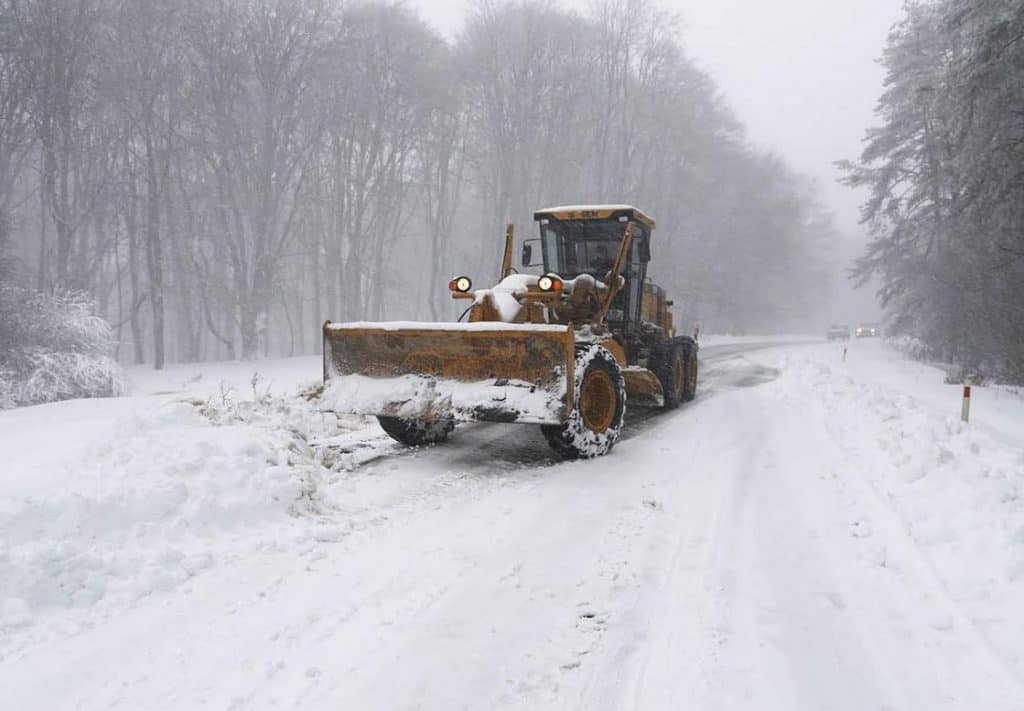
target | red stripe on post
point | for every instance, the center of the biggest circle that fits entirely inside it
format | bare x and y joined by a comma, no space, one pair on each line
967,391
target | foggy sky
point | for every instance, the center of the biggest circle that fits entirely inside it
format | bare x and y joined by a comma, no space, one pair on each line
800,74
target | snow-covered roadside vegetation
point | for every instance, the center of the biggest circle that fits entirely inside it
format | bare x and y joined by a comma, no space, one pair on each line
53,346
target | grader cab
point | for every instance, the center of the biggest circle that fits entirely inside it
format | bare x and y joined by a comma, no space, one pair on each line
565,349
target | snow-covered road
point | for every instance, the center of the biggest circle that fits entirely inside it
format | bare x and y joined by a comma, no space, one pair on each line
808,534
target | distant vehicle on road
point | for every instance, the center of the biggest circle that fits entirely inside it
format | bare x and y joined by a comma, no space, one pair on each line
867,330
838,332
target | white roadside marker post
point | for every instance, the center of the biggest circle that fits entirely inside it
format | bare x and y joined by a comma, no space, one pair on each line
844,354
965,409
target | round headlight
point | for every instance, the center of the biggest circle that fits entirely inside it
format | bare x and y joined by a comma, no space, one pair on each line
461,284
549,282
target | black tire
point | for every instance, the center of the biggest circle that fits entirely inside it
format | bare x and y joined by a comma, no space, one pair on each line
416,432
668,363
598,408
690,366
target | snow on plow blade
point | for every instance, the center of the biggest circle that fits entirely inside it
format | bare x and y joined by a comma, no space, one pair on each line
489,371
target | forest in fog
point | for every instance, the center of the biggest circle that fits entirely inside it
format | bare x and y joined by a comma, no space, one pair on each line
218,177
945,168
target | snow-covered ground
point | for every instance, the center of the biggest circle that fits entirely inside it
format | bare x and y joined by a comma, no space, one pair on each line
808,534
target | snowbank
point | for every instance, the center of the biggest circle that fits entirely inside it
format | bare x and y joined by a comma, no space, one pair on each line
957,488
172,487
240,380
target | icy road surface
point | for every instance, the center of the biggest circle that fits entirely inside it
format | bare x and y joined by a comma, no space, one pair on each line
807,534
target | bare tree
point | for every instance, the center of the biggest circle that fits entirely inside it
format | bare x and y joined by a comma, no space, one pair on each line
223,174
58,41
256,62
16,139
146,85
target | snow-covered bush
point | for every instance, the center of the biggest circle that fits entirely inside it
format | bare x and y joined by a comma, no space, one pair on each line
912,346
53,347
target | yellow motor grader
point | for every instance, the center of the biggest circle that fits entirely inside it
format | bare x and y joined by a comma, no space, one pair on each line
565,349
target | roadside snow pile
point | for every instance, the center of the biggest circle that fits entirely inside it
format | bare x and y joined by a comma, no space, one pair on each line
957,488
187,485
53,347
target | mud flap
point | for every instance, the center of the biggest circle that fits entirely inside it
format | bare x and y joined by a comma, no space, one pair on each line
643,388
488,371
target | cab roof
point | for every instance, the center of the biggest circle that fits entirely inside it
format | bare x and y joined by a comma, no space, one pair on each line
594,212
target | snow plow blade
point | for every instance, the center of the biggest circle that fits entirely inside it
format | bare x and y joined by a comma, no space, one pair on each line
488,371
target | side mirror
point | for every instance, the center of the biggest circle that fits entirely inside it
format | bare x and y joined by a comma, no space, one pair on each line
527,255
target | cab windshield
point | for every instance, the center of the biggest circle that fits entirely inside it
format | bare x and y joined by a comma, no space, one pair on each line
579,247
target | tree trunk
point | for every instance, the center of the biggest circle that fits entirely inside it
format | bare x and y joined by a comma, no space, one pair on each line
154,257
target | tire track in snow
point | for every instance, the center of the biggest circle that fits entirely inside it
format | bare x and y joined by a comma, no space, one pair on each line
484,456
493,448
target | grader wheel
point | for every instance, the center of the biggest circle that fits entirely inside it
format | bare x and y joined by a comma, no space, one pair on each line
669,364
598,408
690,386
675,364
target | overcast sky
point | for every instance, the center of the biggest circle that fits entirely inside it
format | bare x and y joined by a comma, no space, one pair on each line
801,74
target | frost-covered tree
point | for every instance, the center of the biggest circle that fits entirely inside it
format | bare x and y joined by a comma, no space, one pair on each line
52,346
15,126
57,349
7,264
947,190
8,307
